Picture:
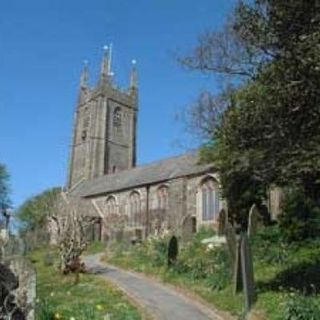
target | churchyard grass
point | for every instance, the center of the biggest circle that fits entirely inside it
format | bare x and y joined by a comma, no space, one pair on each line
92,298
287,275
95,247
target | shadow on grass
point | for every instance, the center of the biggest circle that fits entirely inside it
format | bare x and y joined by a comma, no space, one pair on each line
303,277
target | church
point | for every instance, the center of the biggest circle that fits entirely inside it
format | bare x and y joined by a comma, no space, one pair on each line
127,201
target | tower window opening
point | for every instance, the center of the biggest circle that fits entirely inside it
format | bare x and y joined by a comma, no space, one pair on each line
117,118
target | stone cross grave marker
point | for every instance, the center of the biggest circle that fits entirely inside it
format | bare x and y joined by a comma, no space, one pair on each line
173,250
222,222
247,273
255,221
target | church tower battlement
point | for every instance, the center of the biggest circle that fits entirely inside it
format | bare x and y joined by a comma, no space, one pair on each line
105,121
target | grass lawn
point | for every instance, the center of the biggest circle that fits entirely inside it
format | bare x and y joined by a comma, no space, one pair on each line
93,298
287,276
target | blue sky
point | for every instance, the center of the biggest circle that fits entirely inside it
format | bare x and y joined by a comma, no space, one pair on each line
42,46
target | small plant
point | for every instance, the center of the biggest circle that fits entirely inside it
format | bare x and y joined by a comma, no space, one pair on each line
48,259
301,216
44,310
269,246
299,307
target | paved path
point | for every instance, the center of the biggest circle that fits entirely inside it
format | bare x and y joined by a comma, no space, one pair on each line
162,302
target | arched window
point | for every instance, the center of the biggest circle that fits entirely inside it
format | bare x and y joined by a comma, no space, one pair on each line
111,207
162,198
134,210
117,118
209,199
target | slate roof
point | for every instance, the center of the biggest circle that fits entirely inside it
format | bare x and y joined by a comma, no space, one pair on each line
160,171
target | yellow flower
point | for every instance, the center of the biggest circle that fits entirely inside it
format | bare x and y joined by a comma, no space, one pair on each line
52,294
99,307
57,316
72,318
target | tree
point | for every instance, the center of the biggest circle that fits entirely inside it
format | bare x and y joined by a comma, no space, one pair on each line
5,202
33,213
52,214
270,131
71,233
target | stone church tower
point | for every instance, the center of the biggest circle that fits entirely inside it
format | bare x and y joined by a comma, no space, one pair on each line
104,132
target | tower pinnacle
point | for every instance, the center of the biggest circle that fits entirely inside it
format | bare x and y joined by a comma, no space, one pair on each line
84,75
133,75
105,71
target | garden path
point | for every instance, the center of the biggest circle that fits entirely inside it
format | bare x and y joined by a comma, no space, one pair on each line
162,302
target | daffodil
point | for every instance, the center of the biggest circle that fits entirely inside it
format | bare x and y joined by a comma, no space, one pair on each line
99,307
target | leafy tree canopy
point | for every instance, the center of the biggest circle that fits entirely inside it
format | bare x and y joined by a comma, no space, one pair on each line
270,131
33,212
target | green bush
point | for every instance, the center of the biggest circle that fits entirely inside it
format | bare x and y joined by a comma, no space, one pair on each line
299,307
268,246
201,262
300,219
157,250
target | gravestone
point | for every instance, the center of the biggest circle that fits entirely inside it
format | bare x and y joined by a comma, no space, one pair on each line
231,242
237,267
188,228
247,273
173,250
222,222
255,221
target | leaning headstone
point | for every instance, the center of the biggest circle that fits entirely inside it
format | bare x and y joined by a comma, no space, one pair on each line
172,251
255,221
222,222
247,273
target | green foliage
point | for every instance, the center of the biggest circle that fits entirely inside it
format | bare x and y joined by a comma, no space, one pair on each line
298,307
4,188
269,133
199,262
300,218
44,311
95,247
269,247
33,212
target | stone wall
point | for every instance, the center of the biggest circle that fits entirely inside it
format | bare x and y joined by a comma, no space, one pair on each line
25,294
17,281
